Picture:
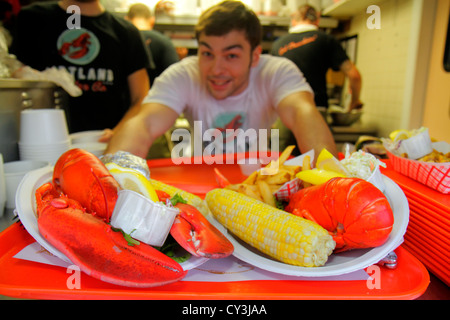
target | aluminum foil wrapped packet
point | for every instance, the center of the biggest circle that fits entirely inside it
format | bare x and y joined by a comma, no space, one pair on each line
127,160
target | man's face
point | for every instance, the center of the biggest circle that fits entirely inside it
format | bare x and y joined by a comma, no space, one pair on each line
225,63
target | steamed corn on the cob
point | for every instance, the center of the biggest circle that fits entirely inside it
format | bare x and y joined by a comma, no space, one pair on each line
279,234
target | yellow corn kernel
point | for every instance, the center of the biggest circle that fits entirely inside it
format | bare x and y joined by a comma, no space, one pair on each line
191,199
281,235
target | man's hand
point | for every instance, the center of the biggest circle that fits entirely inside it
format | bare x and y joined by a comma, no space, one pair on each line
106,135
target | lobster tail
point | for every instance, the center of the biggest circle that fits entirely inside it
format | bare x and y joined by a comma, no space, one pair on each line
354,212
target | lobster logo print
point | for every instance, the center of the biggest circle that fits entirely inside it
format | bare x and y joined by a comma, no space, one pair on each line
234,124
229,121
78,46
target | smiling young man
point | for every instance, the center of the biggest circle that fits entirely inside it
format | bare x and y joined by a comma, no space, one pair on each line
228,85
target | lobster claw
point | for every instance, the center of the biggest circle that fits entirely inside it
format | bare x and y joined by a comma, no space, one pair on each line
82,176
96,248
198,236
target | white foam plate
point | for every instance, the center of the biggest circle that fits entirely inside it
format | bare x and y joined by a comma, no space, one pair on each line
26,209
337,264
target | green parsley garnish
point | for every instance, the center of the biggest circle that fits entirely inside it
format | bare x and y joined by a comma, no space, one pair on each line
131,242
177,199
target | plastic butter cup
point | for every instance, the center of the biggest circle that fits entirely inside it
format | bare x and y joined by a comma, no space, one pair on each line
417,146
143,219
359,165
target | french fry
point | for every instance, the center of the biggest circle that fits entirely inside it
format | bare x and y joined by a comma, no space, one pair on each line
262,184
281,177
266,193
252,193
274,187
286,154
293,170
306,165
251,179
247,189
274,165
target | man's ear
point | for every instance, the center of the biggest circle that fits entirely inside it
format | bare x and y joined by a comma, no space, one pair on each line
152,21
255,55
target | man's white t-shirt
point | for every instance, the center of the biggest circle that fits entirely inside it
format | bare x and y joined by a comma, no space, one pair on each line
274,78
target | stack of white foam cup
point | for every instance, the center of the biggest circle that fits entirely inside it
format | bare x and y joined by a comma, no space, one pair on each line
43,134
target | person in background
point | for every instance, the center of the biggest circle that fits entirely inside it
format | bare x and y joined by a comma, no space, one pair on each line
8,11
105,54
315,52
161,48
228,85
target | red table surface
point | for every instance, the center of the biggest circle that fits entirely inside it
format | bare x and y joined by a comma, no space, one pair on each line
26,279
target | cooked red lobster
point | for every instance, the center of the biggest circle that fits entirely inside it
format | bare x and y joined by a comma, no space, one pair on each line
73,215
91,244
355,213
82,176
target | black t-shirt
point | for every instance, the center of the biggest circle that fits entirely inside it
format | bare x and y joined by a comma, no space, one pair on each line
100,55
314,52
162,50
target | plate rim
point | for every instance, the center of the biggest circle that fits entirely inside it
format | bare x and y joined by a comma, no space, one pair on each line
379,253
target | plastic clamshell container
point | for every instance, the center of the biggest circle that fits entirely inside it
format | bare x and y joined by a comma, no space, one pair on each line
143,219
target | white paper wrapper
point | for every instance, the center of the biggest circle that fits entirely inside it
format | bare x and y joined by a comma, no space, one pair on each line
417,146
143,219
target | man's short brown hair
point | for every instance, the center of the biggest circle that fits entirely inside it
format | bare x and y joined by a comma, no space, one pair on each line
139,10
227,16
306,12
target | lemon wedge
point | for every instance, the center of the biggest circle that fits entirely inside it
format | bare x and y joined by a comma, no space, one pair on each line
326,161
317,176
324,155
400,134
130,179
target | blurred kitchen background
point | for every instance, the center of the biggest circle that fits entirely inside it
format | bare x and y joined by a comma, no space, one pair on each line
405,84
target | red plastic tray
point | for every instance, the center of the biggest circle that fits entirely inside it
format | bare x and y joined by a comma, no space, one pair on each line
429,224
26,279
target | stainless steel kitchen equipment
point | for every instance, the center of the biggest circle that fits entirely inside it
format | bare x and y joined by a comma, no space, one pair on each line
17,95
